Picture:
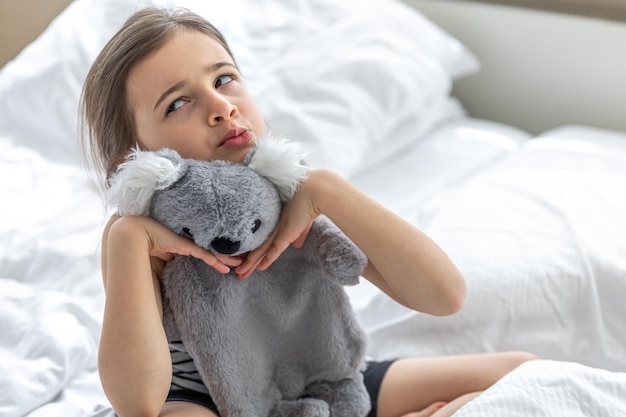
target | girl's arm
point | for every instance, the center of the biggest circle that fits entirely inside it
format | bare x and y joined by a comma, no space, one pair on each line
134,360
403,261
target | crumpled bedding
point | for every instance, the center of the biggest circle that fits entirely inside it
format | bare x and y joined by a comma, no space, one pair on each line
48,351
540,238
552,388
540,388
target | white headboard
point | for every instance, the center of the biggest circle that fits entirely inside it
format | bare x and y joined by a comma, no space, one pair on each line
540,69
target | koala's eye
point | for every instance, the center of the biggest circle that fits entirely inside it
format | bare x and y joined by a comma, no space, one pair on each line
187,232
256,225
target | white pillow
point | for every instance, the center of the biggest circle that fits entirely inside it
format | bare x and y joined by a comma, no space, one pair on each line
355,81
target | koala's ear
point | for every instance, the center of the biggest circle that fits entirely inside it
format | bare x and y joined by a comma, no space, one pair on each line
281,161
143,173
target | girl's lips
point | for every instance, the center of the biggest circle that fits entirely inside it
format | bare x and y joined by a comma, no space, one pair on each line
236,138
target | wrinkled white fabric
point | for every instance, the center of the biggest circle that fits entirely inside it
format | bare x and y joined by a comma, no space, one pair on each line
552,388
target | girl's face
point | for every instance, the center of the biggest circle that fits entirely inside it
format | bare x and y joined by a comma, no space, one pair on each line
189,96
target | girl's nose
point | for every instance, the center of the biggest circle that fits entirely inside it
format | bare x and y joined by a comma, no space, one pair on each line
221,110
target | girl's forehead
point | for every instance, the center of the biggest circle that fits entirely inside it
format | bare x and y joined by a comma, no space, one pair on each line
181,52
195,43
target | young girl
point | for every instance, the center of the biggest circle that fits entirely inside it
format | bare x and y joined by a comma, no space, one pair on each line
168,79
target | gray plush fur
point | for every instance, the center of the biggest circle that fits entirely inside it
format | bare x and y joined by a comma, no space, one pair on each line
284,342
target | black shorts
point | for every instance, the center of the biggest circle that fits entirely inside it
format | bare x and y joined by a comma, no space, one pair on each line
372,376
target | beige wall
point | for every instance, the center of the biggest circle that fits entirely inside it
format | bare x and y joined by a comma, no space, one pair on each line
539,70
608,9
21,21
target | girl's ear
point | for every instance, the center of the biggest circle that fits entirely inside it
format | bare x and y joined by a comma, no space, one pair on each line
140,175
282,162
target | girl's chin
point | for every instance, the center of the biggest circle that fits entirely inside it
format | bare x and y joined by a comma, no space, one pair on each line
236,154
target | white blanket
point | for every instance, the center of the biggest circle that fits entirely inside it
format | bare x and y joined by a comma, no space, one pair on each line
47,352
551,388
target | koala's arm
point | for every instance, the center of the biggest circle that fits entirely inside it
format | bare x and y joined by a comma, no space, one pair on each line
337,255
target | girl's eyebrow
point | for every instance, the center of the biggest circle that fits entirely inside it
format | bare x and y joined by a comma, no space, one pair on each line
219,65
167,92
211,68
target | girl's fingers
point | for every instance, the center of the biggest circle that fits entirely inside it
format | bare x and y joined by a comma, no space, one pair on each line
207,257
272,254
231,261
222,263
293,229
186,247
253,258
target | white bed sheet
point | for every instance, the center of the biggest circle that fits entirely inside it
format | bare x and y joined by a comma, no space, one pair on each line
51,293
540,238
552,388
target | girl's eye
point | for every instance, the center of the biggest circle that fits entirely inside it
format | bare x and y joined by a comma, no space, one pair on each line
176,104
223,80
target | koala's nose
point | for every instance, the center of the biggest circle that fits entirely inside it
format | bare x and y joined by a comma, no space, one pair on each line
225,246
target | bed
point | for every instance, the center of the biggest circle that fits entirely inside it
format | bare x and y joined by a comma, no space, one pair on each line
401,98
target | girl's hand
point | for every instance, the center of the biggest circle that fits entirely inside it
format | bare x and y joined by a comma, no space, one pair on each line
292,229
163,244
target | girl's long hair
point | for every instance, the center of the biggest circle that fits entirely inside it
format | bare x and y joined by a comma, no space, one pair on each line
107,128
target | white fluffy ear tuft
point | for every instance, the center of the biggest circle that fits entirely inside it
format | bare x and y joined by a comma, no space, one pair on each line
280,161
137,178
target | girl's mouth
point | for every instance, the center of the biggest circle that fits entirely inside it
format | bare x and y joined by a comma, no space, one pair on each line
236,137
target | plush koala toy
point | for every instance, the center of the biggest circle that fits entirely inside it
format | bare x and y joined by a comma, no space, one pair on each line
285,341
